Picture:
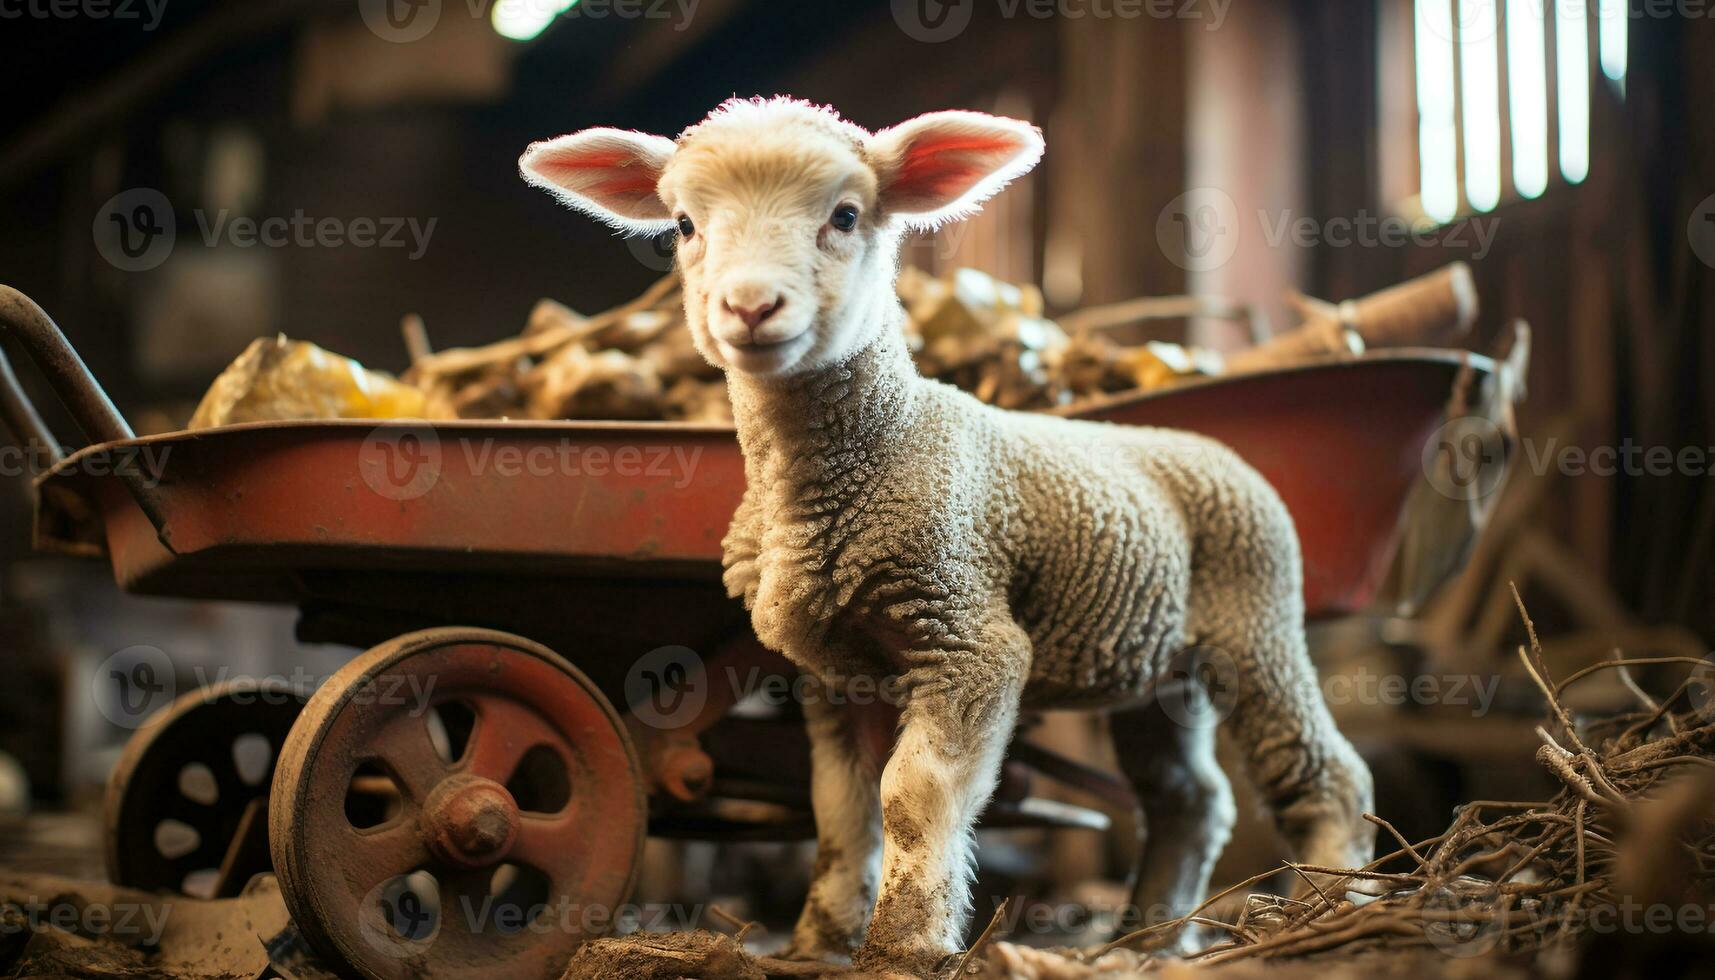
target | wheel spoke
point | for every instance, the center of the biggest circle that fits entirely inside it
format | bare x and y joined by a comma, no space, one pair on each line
466,906
473,918
228,784
382,853
404,747
192,813
504,731
551,845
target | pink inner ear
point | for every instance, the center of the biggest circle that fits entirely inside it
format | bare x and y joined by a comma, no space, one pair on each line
626,183
945,169
625,172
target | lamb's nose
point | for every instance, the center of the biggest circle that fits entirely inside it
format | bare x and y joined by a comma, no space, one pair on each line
753,316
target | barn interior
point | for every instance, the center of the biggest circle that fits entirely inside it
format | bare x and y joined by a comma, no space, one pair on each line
1507,516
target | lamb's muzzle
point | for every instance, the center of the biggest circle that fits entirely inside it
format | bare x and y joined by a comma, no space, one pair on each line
990,560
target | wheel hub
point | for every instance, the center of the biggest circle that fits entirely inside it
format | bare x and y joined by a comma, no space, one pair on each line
470,821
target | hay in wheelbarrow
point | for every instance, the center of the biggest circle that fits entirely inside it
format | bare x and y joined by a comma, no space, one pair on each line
1613,871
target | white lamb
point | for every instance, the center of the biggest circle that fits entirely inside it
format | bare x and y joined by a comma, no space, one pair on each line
991,560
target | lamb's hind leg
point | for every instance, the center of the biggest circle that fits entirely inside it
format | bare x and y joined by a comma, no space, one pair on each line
845,792
1317,786
1167,750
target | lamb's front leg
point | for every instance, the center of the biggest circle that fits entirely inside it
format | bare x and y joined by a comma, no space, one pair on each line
959,714
740,548
844,793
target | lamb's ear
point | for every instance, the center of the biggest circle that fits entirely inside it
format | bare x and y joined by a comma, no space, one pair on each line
940,167
607,173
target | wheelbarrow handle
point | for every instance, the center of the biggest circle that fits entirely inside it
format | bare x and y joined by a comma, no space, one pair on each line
20,417
54,356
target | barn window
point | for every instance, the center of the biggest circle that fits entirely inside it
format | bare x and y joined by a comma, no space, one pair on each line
1502,91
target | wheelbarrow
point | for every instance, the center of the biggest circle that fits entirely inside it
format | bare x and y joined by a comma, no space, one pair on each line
552,664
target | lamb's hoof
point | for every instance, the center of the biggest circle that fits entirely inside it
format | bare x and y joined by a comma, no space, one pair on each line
884,961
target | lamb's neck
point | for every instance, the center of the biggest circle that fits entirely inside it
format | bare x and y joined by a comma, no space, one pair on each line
820,432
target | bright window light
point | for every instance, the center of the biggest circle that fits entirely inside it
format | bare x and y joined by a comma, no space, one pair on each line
523,20
1611,40
1437,137
1479,75
1527,89
1572,55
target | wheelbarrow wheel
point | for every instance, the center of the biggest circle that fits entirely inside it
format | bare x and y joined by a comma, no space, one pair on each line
452,801
186,806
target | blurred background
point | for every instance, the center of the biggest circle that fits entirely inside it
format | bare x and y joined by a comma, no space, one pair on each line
1236,149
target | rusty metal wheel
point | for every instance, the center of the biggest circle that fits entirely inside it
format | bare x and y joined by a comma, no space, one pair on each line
453,801
186,807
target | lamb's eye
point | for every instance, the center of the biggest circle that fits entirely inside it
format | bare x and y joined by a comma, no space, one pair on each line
686,228
845,217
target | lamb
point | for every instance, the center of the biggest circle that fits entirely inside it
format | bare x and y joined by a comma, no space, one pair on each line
991,561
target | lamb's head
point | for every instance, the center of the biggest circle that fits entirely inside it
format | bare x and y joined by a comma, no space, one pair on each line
788,217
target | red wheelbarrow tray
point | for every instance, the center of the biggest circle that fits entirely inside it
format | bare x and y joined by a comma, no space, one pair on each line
242,511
